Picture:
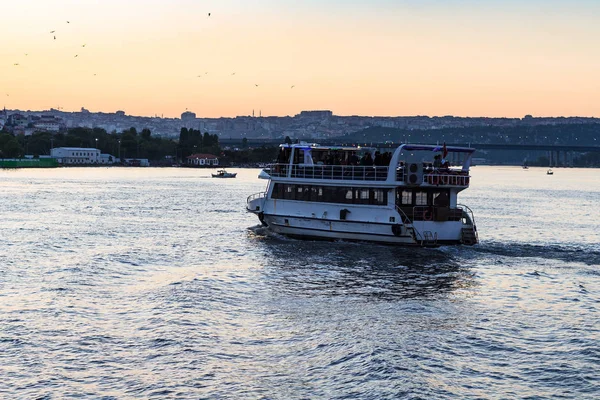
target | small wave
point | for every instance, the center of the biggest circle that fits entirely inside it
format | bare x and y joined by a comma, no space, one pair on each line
263,232
564,253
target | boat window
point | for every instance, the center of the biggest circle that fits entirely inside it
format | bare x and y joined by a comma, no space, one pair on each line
420,198
362,196
407,197
379,197
289,192
348,194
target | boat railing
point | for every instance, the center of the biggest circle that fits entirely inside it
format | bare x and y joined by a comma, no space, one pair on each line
407,221
447,178
468,221
331,172
466,210
256,196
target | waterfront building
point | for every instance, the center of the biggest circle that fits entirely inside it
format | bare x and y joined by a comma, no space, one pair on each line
202,160
81,155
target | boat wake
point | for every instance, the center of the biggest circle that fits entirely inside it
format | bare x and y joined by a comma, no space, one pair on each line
263,232
589,255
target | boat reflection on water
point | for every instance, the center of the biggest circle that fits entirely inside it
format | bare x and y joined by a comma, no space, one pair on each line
319,268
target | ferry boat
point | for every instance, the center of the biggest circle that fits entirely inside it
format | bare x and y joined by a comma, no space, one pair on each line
407,196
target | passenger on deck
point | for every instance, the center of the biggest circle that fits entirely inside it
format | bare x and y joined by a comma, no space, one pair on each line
378,160
353,160
366,160
437,161
281,158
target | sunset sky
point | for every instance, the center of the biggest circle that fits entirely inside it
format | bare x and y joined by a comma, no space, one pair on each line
364,57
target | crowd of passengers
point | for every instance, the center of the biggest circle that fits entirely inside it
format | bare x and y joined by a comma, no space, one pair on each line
341,158
380,159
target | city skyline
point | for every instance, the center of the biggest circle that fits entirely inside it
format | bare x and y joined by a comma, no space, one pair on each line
381,58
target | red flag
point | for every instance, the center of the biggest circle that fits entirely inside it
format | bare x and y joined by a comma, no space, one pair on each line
444,151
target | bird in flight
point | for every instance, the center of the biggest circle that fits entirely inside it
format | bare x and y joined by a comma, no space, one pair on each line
16,64
68,22
256,84
233,73
293,86
52,31
76,55
55,37
209,14
83,45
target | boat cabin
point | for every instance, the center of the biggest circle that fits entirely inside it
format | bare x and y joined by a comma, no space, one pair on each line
421,181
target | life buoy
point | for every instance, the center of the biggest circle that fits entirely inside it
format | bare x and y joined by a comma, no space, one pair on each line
427,215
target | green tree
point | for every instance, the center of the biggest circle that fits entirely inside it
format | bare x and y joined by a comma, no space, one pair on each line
10,147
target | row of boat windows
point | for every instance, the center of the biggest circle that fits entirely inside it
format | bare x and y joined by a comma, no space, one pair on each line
423,197
330,194
350,195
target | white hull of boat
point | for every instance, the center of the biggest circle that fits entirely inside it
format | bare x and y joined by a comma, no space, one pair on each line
317,228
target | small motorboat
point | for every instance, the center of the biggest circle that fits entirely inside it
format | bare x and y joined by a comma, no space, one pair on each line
550,172
224,174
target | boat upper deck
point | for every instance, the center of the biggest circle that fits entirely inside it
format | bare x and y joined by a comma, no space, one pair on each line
407,165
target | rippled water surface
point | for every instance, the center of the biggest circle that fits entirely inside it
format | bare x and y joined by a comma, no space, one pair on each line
155,283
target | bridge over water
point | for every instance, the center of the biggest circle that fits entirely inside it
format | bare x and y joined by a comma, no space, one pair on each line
558,154
478,146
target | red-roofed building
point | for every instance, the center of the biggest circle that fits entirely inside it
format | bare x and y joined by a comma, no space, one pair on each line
202,160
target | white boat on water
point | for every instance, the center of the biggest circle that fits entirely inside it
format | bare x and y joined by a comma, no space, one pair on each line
405,197
224,174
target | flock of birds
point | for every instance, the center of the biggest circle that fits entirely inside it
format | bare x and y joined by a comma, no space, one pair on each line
53,33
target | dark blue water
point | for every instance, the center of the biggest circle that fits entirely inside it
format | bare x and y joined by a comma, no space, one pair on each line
155,283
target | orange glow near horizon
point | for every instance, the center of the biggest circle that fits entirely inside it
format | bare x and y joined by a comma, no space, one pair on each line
146,58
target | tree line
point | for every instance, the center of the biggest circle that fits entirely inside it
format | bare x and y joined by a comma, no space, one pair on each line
126,144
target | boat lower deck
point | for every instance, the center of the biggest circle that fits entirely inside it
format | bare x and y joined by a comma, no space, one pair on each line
316,228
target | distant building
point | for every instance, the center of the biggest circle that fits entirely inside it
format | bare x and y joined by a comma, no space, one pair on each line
76,155
17,120
203,160
188,115
48,123
316,114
